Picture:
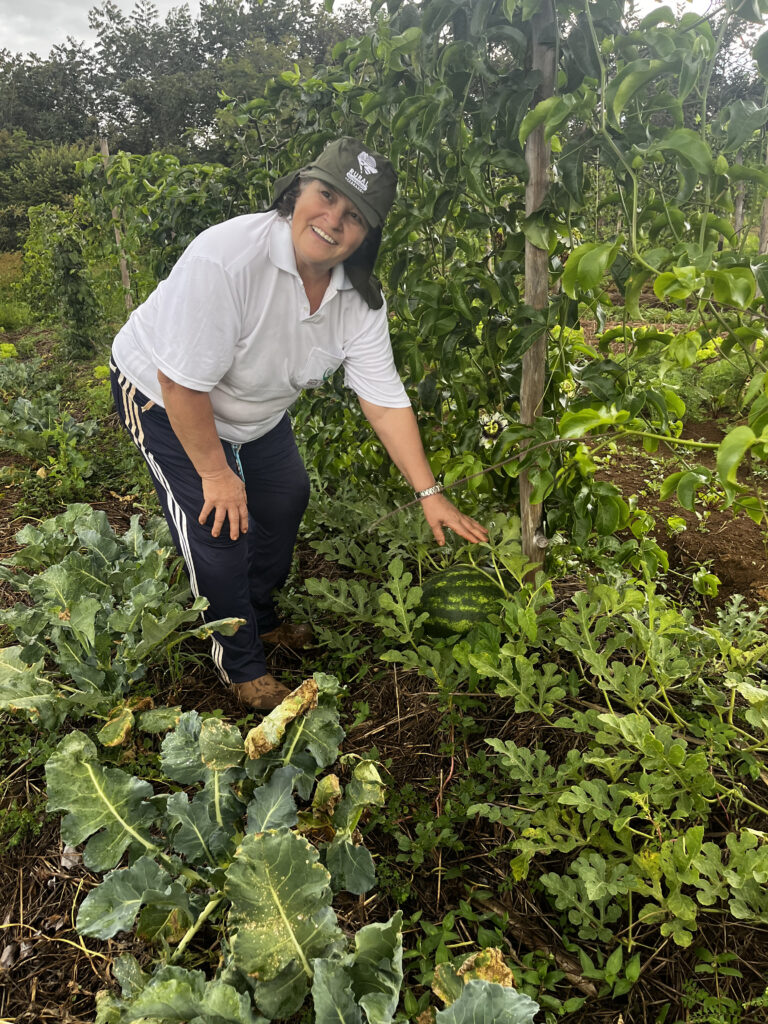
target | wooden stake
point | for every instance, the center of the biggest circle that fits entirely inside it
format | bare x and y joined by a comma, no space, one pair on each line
537,157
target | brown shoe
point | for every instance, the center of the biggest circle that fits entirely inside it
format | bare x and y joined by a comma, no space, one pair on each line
290,634
261,694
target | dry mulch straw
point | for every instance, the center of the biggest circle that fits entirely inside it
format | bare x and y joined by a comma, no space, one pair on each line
47,972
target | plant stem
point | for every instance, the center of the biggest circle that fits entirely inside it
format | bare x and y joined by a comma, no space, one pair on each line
684,441
191,932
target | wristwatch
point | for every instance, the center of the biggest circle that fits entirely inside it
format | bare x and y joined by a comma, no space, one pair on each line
434,489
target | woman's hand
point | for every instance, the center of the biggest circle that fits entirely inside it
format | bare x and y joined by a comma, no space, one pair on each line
440,512
191,416
224,494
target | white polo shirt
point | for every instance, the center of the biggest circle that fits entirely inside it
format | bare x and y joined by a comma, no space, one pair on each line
233,319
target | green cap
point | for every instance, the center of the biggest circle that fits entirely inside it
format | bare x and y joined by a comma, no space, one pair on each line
368,180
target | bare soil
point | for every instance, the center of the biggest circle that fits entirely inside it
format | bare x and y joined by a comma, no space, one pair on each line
727,542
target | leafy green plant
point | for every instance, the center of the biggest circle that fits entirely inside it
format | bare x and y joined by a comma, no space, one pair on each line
58,275
103,606
196,865
629,811
14,315
19,378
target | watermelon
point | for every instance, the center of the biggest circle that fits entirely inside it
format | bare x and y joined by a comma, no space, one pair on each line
457,599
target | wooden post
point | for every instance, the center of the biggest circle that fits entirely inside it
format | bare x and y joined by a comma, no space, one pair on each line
118,237
537,157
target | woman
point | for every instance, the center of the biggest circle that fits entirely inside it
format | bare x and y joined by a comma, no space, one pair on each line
255,310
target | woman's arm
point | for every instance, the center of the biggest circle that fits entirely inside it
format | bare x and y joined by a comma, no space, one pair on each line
399,433
191,416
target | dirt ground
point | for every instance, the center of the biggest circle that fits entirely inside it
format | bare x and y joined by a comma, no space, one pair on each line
728,543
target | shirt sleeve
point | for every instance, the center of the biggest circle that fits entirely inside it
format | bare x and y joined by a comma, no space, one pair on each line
369,366
197,324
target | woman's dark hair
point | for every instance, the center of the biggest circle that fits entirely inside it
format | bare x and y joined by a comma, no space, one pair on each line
365,255
287,200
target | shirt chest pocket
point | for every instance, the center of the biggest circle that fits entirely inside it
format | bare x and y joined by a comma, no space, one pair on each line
318,367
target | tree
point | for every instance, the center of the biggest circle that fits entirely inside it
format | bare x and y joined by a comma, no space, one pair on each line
51,100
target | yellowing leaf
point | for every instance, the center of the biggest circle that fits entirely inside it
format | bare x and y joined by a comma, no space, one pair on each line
268,734
487,965
117,728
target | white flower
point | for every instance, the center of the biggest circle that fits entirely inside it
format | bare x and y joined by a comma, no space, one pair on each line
491,425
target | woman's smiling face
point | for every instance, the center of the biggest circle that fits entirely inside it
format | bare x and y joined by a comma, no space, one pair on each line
326,227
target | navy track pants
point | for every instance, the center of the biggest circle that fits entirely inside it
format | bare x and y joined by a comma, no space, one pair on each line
238,577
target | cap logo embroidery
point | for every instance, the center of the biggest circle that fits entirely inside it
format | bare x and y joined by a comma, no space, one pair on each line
367,163
367,166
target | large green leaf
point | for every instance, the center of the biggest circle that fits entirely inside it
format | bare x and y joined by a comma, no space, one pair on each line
318,732
367,980
166,915
281,916
221,745
730,455
595,264
197,836
23,689
570,278
105,804
377,968
628,83
127,616
281,997
351,866
738,172
311,743
744,118
483,1002
733,285
632,291
365,789
332,994
688,146
175,994
158,720
82,620
577,424
552,112
750,10
112,906
180,756
760,54
272,805
59,586
155,631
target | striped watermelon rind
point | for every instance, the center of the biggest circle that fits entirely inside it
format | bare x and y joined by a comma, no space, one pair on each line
458,598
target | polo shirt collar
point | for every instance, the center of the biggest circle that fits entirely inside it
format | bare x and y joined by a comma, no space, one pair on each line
283,257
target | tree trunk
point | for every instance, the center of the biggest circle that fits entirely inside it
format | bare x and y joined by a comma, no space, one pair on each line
537,155
126,279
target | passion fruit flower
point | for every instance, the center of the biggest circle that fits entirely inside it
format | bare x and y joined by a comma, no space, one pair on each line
491,425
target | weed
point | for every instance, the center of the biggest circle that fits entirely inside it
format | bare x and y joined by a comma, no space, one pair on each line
14,315
20,822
